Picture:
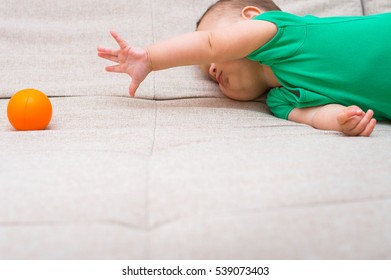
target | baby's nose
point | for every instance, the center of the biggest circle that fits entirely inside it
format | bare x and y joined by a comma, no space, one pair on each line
212,70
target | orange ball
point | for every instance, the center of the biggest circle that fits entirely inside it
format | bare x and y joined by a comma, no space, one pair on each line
29,109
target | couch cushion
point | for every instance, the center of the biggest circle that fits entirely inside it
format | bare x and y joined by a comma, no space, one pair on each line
115,177
52,47
376,6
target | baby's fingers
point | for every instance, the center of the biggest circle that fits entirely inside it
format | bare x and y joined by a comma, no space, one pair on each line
369,129
347,114
122,43
108,51
114,68
364,123
109,57
133,87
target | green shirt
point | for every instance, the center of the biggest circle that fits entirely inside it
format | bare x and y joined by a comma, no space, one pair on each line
319,61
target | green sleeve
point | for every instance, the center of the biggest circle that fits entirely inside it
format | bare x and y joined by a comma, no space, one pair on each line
282,101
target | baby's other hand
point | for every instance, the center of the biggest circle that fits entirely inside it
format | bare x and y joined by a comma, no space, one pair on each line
355,122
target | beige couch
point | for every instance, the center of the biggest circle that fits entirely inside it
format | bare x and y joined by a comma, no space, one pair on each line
180,172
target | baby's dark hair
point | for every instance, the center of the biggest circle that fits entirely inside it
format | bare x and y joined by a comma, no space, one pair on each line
221,7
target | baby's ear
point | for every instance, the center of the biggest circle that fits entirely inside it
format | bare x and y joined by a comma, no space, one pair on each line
250,12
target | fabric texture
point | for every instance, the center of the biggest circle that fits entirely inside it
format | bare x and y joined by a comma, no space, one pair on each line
318,61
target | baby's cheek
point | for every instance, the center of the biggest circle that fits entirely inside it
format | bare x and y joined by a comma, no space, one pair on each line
204,68
231,93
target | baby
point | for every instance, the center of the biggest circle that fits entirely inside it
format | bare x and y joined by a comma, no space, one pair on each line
331,73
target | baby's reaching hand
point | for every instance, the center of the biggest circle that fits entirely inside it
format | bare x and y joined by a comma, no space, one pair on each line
133,61
355,122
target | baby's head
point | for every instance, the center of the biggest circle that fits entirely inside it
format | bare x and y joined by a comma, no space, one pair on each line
242,73
232,9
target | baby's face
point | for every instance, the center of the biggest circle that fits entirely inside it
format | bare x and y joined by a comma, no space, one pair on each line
237,79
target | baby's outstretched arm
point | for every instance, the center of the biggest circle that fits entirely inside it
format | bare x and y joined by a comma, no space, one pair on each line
195,48
350,120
